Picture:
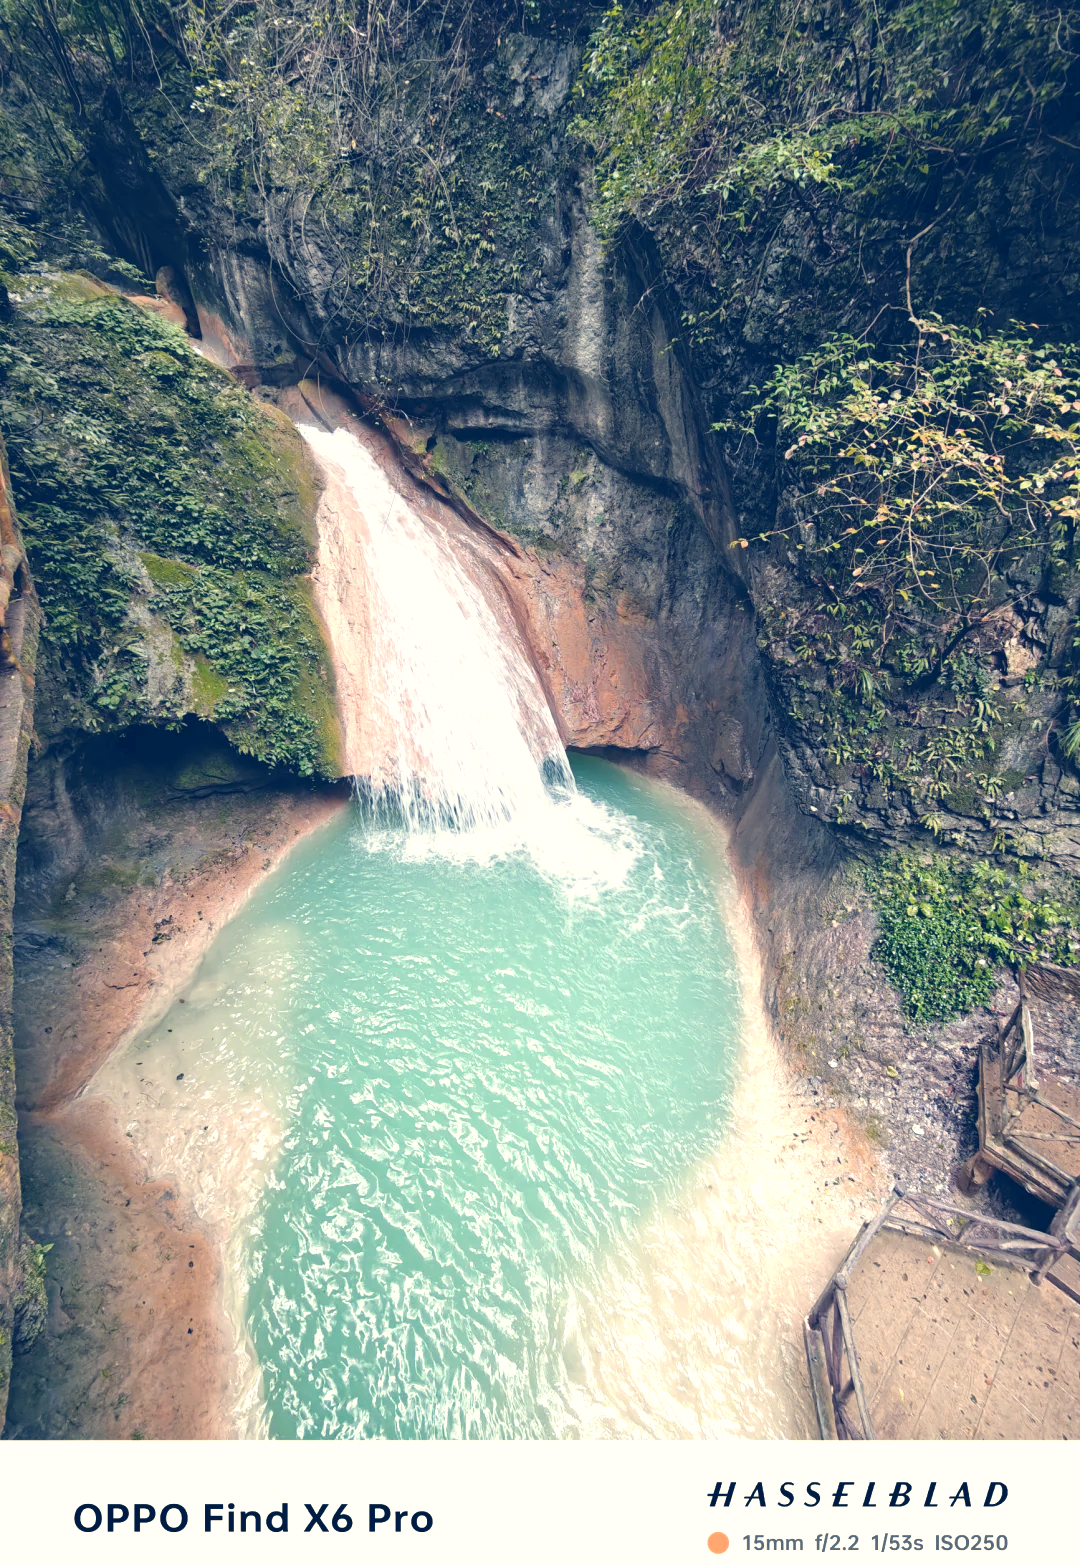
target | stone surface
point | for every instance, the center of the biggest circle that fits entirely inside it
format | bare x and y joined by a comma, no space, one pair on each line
20,621
951,1353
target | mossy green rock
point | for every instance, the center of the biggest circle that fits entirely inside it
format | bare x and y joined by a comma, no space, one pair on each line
169,523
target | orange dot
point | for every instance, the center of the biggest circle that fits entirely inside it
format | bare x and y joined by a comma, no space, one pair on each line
718,1542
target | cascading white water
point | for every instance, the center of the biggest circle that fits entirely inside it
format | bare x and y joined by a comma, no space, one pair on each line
445,719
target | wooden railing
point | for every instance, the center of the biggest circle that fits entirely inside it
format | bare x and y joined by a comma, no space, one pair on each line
830,1342
1019,1075
833,1359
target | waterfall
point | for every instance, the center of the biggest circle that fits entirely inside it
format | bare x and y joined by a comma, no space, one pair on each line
445,722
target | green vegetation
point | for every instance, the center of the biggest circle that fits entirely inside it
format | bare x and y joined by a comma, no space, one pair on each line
373,137
723,112
31,1303
946,925
931,471
145,475
921,486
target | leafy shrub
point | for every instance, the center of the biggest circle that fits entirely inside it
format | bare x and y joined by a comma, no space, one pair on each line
930,471
720,105
945,926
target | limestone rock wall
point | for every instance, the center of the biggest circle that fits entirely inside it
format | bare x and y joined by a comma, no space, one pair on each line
20,619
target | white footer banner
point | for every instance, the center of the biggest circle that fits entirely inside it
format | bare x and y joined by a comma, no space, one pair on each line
624,1502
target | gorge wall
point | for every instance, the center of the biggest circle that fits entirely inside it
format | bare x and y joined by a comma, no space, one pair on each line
21,1290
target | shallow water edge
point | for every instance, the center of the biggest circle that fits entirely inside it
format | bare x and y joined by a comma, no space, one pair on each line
682,1310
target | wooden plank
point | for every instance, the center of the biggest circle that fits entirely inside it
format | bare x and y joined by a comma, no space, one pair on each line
1065,1274
1058,1158
1041,1179
1029,1046
990,1093
833,1344
1011,1035
1047,982
1062,1228
820,1385
853,1366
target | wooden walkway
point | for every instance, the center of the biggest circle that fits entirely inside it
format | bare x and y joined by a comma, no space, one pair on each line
1029,1119
942,1324
923,1336
948,1353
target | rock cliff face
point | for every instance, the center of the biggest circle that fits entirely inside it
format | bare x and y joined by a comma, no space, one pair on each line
611,680
20,1282
559,390
586,447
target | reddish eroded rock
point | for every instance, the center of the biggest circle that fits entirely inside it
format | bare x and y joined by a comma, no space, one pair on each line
20,621
115,977
598,659
14,572
163,307
173,292
136,1343
224,346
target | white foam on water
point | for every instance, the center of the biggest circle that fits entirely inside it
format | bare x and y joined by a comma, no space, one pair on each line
575,844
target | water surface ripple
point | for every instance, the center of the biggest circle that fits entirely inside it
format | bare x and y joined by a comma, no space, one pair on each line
471,1067
494,1081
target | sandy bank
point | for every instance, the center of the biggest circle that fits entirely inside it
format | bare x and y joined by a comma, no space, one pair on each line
138,1344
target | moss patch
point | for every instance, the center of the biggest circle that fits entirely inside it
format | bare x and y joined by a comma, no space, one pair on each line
128,449
209,686
167,573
